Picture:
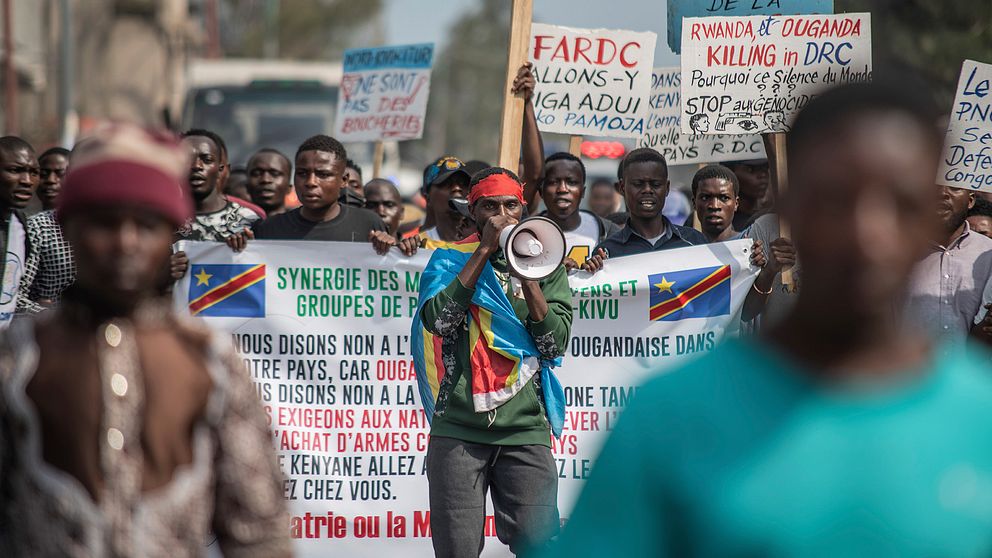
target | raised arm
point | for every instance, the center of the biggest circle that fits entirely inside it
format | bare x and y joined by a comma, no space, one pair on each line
532,145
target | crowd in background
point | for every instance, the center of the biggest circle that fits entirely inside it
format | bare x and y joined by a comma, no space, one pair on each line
890,276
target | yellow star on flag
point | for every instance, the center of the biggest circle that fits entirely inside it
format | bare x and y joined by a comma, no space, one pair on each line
665,285
203,278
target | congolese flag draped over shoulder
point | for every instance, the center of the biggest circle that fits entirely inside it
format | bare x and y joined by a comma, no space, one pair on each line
227,290
503,354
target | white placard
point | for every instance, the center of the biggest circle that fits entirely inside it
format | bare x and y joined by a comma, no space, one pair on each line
384,93
591,82
753,74
663,131
967,158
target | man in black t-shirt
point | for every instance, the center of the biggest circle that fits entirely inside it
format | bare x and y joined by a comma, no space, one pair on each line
318,179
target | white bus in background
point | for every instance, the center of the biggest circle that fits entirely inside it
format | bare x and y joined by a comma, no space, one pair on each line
272,103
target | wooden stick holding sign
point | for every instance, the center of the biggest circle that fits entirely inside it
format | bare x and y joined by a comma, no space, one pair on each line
575,145
779,164
511,121
377,159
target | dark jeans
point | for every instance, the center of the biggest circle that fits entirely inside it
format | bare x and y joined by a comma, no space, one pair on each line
523,481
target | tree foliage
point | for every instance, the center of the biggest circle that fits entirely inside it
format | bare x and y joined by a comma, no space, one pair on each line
467,87
305,29
932,38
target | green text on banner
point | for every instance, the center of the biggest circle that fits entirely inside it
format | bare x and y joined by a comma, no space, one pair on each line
323,328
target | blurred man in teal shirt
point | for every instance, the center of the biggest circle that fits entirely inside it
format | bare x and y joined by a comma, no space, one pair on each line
838,432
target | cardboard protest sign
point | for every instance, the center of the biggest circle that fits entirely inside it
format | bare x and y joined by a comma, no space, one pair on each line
748,75
384,93
662,129
678,9
591,81
967,161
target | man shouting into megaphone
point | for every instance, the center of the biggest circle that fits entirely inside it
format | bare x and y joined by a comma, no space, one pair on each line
484,342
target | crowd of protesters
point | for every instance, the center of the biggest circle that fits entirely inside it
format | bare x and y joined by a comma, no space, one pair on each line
108,399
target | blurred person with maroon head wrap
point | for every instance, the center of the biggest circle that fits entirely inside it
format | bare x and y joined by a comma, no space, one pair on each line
125,429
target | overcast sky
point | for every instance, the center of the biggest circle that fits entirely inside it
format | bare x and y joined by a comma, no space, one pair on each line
428,21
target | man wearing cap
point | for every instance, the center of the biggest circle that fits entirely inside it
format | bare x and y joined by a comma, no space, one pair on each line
484,342
125,429
444,179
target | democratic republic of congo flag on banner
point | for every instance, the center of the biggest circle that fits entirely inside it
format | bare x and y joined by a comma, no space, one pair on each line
693,293
227,290
503,354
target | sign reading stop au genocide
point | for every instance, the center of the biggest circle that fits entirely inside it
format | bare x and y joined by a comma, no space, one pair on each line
592,82
967,158
748,75
662,130
324,331
383,94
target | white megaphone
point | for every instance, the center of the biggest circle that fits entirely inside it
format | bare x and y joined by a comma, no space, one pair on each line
534,247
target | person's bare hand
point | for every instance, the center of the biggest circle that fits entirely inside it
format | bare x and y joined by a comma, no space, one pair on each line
783,254
525,82
490,233
758,258
570,264
983,329
238,242
985,326
409,246
178,265
381,241
595,262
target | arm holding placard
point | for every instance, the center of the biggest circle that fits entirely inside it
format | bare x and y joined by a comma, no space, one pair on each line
781,255
532,145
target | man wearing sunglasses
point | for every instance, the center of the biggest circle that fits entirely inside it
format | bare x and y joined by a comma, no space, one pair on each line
444,179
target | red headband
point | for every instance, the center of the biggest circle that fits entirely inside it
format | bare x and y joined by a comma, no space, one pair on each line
498,184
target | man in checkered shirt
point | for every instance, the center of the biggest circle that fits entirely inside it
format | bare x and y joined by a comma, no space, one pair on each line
49,268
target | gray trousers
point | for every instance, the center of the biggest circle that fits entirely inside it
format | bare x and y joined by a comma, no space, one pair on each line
523,481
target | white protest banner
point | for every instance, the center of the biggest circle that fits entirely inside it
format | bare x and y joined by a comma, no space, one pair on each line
384,93
592,82
663,131
966,162
324,331
748,75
